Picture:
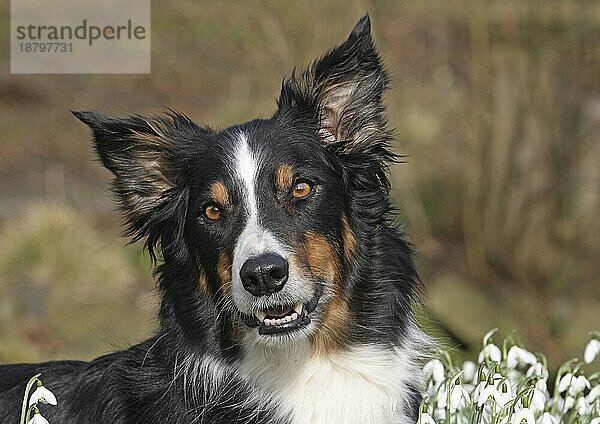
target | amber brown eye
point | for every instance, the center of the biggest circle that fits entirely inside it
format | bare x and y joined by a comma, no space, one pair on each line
212,212
301,189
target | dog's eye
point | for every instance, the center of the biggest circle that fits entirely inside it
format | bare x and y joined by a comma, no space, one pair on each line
212,212
301,189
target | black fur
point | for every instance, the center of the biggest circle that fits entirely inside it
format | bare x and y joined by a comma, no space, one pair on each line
330,126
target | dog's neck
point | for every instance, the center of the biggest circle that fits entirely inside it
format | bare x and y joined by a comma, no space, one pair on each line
361,384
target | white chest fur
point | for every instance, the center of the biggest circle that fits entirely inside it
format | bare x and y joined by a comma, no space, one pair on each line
364,385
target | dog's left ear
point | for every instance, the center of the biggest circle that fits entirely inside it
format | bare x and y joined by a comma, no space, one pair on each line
343,90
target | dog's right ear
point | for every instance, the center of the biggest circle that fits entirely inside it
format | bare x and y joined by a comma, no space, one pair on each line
144,154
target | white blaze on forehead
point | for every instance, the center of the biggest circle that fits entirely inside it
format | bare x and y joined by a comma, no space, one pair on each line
254,239
246,172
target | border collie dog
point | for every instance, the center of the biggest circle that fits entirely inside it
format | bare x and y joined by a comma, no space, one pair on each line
287,292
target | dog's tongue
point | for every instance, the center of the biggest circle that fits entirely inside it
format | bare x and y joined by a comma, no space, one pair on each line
278,311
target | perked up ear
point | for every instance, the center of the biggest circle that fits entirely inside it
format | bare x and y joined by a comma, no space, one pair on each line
143,153
344,91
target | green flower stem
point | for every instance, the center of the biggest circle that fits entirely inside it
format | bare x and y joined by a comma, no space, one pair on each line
24,409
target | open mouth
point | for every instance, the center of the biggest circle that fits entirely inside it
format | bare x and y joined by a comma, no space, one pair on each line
283,318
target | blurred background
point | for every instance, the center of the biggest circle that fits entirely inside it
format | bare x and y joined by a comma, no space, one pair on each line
496,104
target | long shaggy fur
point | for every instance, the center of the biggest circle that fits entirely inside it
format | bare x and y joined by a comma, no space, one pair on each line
357,360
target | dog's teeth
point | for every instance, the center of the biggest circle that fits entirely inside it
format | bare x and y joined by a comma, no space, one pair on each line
294,316
267,322
298,308
288,318
260,315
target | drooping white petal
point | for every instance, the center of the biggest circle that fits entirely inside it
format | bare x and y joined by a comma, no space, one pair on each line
583,408
524,414
458,396
547,418
490,352
490,392
519,356
537,370
578,385
482,385
569,403
592,350
426,419
38,419
538,400
442,396
565,382
434,370
593,394
469,371
42,395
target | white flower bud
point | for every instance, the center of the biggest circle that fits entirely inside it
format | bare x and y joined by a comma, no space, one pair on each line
592,350
491,352
519,356
434,370
38,419
565,382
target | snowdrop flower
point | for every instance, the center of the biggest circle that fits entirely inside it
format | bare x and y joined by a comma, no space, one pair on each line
568,404
442,397
578,385
524,414
491,352
459,396
565,382
595,421
491,392
593,394
583,408
469,371
547,418
592,350
425,418
519,356
482,385
538,400
42,395
537,370
434,370
38,419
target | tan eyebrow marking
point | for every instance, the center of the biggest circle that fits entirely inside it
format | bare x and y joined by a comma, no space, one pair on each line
219,193
284,176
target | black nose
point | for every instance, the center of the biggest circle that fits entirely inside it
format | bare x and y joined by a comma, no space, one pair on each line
264,274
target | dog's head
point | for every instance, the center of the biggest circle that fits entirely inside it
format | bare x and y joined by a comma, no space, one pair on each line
265,220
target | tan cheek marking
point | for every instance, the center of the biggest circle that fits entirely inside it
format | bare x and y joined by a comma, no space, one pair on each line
334,328
219,193
349,240
224,272
284,176
322,258
203,281
324,263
